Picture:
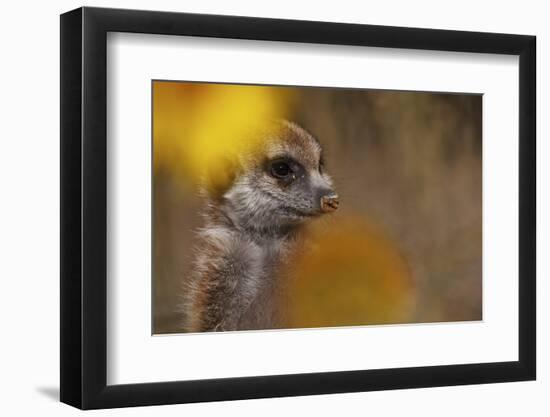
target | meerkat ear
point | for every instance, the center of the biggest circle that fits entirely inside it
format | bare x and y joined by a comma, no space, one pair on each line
220,178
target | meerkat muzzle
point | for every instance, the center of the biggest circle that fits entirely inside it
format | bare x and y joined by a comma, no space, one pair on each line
329,203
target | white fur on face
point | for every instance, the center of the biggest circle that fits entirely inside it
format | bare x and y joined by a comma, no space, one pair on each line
258,201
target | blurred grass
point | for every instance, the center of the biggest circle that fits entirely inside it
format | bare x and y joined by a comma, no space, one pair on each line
405,245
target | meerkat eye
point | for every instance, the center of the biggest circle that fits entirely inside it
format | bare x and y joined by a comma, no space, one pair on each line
281,169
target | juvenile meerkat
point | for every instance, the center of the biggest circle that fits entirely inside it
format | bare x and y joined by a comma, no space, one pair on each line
251,223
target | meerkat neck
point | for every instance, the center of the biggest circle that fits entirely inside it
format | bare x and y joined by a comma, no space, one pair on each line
226,216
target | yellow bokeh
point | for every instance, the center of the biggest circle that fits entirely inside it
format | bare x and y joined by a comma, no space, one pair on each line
198,126
351,274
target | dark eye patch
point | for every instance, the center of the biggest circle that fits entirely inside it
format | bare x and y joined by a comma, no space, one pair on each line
280,169
284,168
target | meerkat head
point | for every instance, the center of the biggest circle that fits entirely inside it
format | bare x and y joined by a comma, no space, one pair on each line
281,183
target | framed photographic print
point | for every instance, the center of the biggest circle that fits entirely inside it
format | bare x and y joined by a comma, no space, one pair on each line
258,207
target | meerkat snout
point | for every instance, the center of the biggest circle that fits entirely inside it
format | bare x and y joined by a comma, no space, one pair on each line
329,203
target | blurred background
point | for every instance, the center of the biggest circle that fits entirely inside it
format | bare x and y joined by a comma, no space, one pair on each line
405,245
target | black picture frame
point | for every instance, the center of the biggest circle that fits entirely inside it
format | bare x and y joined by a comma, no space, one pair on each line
84,207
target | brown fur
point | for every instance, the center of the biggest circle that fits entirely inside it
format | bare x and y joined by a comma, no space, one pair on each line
250,228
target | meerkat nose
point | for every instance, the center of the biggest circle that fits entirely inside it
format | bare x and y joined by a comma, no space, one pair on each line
329,203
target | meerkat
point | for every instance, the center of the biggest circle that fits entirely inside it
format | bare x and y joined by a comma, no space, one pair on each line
251,224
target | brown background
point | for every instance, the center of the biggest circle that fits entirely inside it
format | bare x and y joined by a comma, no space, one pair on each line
407,163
